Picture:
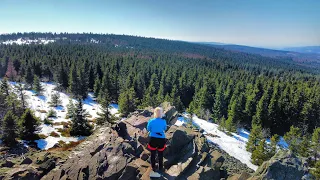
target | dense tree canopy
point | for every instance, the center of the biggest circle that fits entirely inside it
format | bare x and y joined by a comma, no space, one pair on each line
245,89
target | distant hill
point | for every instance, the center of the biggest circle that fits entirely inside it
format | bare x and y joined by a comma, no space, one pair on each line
306,49
298,55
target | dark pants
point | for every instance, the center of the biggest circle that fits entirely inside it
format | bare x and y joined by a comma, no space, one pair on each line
157,145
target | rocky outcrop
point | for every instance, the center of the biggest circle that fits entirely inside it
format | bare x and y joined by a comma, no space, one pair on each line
284,165
119,152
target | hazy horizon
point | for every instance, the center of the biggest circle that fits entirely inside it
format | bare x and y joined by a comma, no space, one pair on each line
269,24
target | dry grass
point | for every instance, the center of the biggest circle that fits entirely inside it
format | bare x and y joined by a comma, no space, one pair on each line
54,134
64,132
42,136
66,147
42,111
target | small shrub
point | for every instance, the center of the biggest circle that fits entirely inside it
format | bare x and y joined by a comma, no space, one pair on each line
42,136
52,113
54,134
64,132
65,146
47,121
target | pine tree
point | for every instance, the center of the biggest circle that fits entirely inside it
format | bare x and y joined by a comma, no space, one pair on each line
234,114
219,106
254,138
273,144
28,125
175,99
71,109
127,101
304,146
80,125
37,85
97,87
73,81
316,170
259,155
22,95
4,87
293,138
316,142
261,115
105,115
55,99
29,76
222,124
9,129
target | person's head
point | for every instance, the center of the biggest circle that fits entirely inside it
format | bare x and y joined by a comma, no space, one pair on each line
157,112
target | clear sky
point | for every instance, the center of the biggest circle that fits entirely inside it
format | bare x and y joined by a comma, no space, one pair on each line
268,23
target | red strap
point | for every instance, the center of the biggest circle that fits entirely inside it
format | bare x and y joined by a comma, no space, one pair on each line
151,148
162,149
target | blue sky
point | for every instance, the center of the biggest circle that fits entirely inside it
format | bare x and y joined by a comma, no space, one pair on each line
267,23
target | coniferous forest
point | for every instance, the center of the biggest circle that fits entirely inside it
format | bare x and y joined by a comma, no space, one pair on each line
231,88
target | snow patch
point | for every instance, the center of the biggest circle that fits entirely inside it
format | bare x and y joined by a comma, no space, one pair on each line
22,41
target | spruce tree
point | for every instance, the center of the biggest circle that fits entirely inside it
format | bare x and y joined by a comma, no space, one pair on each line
222,124
37,85
22,95
9,129
73,81
127,101
96,87
259,155
175,98
254,138
316,170
234,114
5,87
293,138
261,115
105,115
80,125
55,99
316,142
304,146
29,76
274,140
28,125
218,107
71,109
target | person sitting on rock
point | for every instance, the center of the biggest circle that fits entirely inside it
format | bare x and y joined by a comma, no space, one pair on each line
157,142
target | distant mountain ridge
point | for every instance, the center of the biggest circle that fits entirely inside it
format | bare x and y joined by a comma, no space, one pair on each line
305,55
305,49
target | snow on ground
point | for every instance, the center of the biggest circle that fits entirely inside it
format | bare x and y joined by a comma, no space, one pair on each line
41,106
234,145
50,141
21,41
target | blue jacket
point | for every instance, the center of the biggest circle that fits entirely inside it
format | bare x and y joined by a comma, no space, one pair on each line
157,127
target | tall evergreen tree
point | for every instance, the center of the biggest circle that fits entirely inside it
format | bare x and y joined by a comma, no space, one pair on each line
80,125
37,85
29,76
28,125
316,142
73,81
219,105
259,155
97,87
105,116
9,129
293,138
5,87
55,99
254,138
71,109
127,101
